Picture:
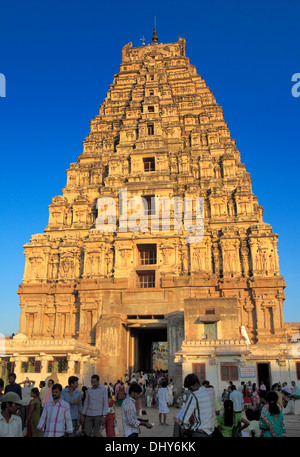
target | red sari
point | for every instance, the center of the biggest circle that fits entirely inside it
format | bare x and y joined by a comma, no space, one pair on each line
110,419
28,425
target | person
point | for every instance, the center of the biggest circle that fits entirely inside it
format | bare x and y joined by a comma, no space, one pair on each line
56,420
33,413
12,386
171,392
133,378
272,421
249,388
95,408
139,403
43,390
224,395
131,424
247,401
149,394
141,381
116,388
254,395
206,384
26,397
253,427
285,389
296,391
111,390
72,395
241,387
229,420
238,402
181,399
120,394
110,419
229,388
146,377
199,411
83,394
163,399
48,394
155,396
10,422
216,432
106,387
262,386
127,389
276,387
261,400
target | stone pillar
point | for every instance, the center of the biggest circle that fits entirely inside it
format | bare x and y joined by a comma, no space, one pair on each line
111,342
17,360
175,338
22,326
44,358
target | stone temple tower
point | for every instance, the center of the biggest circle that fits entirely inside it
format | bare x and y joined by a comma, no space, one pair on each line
102,283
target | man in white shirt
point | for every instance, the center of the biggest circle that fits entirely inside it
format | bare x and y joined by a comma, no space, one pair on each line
56,416
131,424
238,402
10,423
201,406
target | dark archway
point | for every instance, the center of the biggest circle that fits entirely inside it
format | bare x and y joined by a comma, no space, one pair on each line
145,337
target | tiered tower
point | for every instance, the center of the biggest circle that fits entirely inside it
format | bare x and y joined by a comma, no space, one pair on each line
159,133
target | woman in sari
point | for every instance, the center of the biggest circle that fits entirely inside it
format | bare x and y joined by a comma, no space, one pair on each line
121,394
33,413
254,395
228,421
272,422
110,419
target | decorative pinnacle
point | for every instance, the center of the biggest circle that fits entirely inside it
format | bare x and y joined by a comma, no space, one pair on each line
154,36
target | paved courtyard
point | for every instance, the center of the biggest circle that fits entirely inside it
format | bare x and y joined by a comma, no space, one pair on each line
161,431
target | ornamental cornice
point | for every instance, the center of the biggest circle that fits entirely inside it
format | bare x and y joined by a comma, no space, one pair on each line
46,345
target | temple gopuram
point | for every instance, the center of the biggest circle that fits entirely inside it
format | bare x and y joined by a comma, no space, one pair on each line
107,279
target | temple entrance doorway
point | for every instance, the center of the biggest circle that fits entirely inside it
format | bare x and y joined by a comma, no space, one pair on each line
263,374
148,349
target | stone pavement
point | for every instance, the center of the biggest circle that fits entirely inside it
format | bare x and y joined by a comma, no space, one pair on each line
161,431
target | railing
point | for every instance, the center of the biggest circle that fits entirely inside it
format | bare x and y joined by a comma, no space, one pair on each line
209,342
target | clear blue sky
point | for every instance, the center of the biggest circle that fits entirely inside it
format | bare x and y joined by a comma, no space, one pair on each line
59,58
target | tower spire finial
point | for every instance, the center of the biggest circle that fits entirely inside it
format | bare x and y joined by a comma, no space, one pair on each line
154,36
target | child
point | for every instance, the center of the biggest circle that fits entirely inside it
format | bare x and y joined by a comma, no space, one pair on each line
253,428
224,395
247,401
110,419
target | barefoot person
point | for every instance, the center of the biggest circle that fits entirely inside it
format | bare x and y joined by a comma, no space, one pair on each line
163,399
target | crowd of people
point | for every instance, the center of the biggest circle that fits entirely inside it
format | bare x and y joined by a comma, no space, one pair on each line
259,410
52,410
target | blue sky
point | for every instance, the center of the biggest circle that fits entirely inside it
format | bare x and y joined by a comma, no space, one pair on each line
59,58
